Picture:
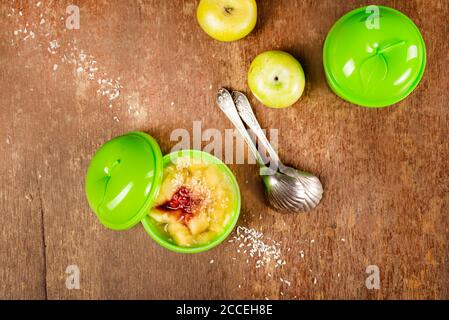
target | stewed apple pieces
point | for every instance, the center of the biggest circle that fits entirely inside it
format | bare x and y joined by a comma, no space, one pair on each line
180,234
194,203
199,223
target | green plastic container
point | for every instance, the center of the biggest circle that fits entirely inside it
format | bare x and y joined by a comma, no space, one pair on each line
374,56
123,182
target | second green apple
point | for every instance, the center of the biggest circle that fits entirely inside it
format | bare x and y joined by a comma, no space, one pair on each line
276,78
227,20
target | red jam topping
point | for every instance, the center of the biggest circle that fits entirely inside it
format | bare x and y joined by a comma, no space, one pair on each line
181,203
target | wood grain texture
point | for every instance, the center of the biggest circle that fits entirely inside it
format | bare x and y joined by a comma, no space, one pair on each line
385,171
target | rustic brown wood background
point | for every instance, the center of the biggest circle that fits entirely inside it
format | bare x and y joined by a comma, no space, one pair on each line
385,171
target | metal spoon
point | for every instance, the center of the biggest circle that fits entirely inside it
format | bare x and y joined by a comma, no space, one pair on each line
306,185
286,191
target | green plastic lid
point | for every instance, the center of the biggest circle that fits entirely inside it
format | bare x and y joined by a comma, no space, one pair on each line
374,56
123,180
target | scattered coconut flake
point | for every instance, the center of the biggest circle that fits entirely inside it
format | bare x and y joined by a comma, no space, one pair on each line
31,35
263,251
85,63
53,45
212,261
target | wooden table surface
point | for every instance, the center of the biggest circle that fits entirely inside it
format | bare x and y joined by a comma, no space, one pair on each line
146,65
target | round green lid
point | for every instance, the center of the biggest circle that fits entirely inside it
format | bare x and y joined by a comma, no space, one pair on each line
123,179
374,56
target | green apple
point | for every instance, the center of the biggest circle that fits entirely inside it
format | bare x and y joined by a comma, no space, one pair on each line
276,78
227,20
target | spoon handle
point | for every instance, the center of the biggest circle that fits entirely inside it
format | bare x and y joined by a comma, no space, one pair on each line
226,104
247,115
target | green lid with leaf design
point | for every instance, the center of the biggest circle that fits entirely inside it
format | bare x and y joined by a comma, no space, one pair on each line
123,180
374,56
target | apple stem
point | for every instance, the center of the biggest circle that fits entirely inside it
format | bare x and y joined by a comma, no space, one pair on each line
228,10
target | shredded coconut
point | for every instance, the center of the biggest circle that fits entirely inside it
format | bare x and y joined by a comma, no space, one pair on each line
35,27
53,46
263,251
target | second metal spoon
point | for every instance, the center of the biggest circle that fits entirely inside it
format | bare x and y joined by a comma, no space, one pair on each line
286,189
302,194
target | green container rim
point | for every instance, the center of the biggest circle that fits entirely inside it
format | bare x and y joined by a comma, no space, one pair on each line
150,227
